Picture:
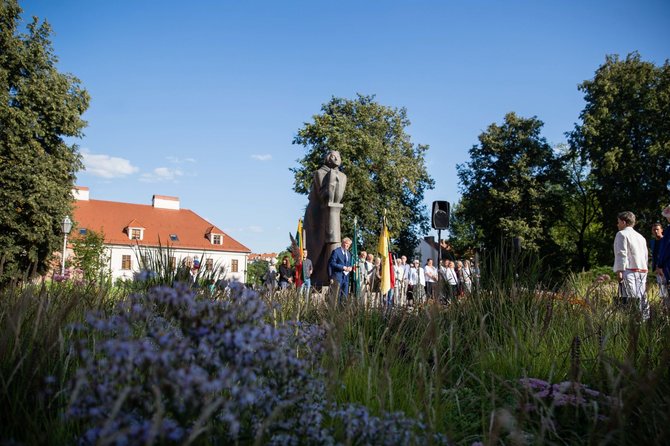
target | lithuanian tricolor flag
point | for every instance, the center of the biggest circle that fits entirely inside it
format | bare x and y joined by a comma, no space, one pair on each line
383,250
299,239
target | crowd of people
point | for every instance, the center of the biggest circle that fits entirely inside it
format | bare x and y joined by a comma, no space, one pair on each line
414,283
361,278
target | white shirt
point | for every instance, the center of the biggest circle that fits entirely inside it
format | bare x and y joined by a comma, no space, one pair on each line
406,267
431,274
449,275
630,250
467,275
399,271
413,276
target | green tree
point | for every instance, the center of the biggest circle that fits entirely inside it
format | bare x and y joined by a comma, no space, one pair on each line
38,109
256,271
90,256
509,186
385,170
625,136
463,236
578,231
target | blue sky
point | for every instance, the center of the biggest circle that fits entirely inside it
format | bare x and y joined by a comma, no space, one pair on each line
202,99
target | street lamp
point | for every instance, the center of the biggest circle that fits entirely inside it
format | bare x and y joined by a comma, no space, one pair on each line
67,227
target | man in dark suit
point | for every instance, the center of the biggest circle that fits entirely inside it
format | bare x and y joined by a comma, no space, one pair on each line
339,267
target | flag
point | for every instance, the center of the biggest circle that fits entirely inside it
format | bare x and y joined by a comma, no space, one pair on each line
391,269
383,250
297,250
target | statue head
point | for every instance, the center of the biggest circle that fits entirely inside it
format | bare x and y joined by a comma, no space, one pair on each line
333,159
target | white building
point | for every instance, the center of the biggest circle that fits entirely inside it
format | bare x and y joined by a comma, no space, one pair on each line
133,228
428,248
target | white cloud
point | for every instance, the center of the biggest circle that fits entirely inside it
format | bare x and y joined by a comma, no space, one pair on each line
160,174
176,160
266,157
256,229
106,166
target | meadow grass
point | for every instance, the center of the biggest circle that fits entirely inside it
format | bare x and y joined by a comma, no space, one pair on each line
459,368
37,358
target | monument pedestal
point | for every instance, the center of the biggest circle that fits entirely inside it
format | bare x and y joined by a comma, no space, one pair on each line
333,234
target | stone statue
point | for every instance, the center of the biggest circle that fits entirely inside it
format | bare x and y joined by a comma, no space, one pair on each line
322,216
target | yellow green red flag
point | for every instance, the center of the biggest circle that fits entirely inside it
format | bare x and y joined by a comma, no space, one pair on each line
383,249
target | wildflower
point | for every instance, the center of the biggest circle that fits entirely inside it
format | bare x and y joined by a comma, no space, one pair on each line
189,355
145,275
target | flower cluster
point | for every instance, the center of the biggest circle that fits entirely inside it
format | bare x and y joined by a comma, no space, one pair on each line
170,366
57,277
145,275
391,429
76,275
564,394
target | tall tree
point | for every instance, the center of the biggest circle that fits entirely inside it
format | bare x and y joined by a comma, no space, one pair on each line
509,185
385,171
578,232
38,108
625,135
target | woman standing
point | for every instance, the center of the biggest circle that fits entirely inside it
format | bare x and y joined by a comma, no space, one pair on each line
431,279
285,274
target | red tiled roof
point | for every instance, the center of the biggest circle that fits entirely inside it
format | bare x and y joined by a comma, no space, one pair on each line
134,224
264,256
112,218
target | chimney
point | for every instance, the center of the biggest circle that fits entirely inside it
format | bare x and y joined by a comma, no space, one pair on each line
165,202
80,193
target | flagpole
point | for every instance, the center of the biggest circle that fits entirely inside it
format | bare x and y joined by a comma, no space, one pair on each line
354,255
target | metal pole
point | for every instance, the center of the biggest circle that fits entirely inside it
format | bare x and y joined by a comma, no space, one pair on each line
62,269
439,263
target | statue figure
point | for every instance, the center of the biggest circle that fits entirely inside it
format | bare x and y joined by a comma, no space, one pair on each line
322,216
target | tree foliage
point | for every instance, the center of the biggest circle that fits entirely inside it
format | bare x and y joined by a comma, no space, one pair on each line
509,186
462,232
625,136
385,170
578,230
90,256
256,271
38,108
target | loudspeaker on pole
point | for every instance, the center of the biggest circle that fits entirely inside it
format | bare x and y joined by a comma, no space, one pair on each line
440,215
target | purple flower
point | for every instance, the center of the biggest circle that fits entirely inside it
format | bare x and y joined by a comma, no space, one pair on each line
190,355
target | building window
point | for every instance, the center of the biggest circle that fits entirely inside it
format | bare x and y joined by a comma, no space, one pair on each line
82,231
233,266
216,239
136,234
173,263
209,264
174,237
125,262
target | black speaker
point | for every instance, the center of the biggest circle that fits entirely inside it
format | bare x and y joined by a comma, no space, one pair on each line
440,214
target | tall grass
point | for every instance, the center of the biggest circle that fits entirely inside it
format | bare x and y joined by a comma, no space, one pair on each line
36,358
459,368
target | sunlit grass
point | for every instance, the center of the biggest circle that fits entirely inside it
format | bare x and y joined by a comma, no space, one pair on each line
455,368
